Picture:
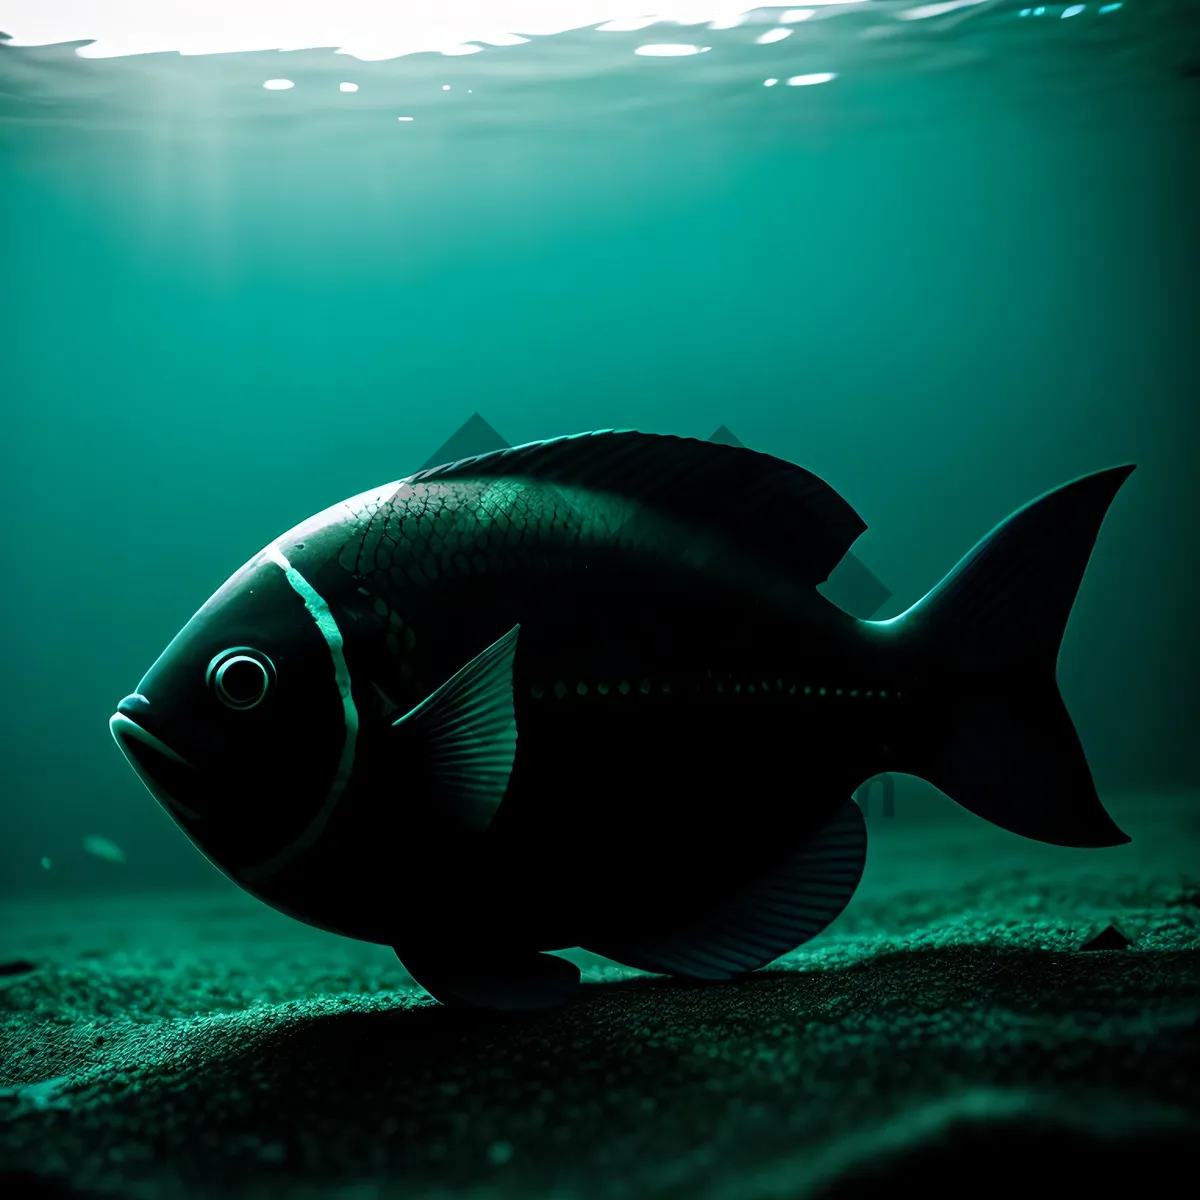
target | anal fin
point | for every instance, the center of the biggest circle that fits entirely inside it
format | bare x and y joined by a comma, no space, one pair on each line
767,918
525,981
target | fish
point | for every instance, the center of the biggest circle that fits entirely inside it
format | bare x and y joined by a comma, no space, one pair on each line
586,693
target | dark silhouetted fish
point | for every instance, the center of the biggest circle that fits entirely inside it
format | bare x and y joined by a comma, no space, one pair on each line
585,692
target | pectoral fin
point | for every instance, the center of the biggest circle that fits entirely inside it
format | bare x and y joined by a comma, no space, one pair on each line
523,981
466,733
766,919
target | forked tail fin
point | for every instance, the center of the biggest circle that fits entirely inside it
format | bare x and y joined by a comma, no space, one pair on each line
992,731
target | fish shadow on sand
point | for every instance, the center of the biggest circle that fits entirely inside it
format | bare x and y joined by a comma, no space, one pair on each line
641,1071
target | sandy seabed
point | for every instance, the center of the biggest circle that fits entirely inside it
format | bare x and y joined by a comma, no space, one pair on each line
949,1033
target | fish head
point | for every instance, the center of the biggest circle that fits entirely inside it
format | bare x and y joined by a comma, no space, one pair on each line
239,727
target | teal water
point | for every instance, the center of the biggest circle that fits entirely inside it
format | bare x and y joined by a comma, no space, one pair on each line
951,266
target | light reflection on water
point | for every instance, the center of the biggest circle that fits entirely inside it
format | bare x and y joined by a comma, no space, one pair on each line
522,63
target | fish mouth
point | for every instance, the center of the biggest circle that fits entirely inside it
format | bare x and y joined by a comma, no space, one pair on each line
164,772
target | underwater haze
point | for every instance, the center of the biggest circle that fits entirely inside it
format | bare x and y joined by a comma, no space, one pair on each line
258,258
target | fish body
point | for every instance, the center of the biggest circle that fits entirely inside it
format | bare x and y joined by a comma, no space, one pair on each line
585,693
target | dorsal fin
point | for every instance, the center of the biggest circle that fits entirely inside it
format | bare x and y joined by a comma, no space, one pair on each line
772,509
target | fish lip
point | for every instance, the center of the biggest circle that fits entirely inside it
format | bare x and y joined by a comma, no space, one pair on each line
150,757
133,705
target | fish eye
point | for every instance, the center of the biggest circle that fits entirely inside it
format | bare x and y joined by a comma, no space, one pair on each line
241,677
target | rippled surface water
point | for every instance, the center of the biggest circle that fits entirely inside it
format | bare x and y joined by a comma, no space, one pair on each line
521,69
